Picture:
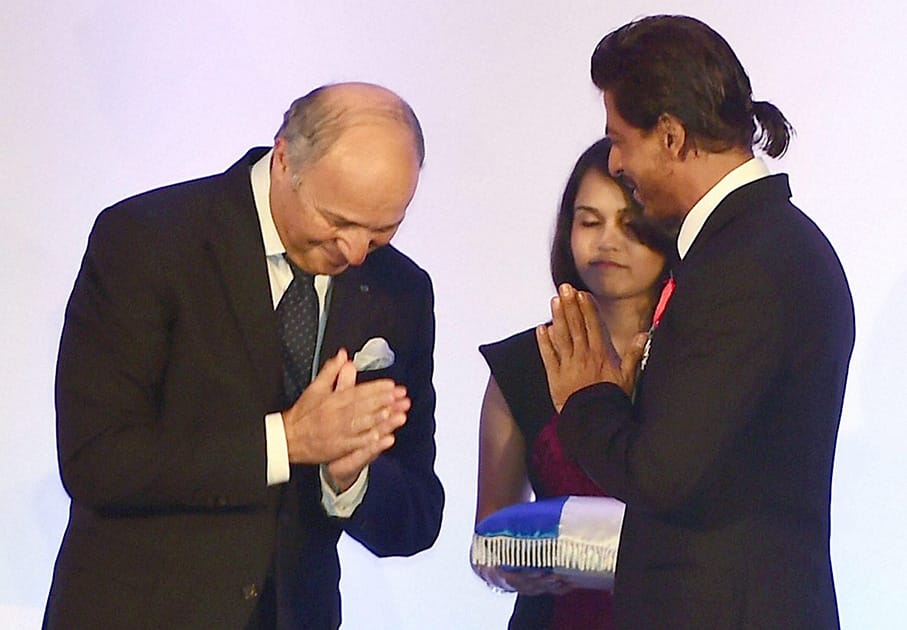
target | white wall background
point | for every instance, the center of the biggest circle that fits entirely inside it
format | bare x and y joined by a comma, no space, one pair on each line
103,99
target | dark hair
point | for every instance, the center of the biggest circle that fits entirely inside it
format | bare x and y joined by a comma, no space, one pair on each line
677,65
563,266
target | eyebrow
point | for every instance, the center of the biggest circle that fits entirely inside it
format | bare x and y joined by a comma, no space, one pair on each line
344,222
592,210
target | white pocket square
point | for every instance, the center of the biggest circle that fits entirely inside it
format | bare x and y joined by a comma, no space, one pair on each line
375,355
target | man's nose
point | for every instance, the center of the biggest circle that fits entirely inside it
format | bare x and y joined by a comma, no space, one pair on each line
354,245
615,165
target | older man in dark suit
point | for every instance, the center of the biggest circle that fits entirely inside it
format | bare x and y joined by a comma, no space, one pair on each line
725,456
210,473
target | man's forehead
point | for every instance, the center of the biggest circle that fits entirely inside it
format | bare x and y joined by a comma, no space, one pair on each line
613,120
342,217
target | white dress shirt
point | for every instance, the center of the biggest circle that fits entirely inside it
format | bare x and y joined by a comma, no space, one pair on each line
280,275
748,172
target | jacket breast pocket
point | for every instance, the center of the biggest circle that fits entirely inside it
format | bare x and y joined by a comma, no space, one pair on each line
392,372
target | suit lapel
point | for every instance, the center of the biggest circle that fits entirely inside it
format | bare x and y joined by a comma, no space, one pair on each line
749,198
352,297
752,196
236,246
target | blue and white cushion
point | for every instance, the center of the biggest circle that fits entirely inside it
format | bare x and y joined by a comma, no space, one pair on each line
572,536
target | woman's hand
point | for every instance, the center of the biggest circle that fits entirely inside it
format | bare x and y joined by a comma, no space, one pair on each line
524,582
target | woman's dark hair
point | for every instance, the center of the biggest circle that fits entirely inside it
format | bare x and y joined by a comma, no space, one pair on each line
563,266
677,65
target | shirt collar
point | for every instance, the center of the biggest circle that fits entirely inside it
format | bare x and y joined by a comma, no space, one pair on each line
748,172
261,192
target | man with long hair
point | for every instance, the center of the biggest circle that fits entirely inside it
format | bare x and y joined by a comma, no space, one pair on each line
723,446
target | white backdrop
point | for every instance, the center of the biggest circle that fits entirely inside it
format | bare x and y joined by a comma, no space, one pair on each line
103,99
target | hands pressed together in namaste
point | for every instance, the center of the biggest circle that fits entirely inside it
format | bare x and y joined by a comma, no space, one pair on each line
343,424
577,351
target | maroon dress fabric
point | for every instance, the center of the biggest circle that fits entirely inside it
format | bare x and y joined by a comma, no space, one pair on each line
559,475
517,367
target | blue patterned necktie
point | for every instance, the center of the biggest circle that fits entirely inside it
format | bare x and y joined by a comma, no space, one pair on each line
297,323
297,318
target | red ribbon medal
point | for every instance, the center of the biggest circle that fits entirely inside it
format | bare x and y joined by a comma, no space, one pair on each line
666,292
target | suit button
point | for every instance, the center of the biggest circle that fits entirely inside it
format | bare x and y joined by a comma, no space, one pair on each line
249,591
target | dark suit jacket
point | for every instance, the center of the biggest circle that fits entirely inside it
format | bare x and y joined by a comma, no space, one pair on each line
168,363
725,460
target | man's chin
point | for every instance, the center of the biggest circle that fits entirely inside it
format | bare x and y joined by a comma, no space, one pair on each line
321,265
667,222
327,269
330,267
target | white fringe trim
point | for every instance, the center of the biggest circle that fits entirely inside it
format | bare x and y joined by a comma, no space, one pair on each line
554,553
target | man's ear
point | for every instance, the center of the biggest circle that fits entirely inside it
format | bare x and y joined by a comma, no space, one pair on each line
673,135
279,159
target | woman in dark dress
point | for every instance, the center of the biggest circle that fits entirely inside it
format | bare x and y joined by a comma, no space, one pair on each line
601,245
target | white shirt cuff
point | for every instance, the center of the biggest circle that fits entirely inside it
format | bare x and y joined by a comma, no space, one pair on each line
344,504
278,455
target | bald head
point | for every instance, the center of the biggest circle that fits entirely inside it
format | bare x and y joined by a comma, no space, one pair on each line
315,122
344,169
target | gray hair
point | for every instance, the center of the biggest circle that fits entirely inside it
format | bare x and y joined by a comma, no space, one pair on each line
315,121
